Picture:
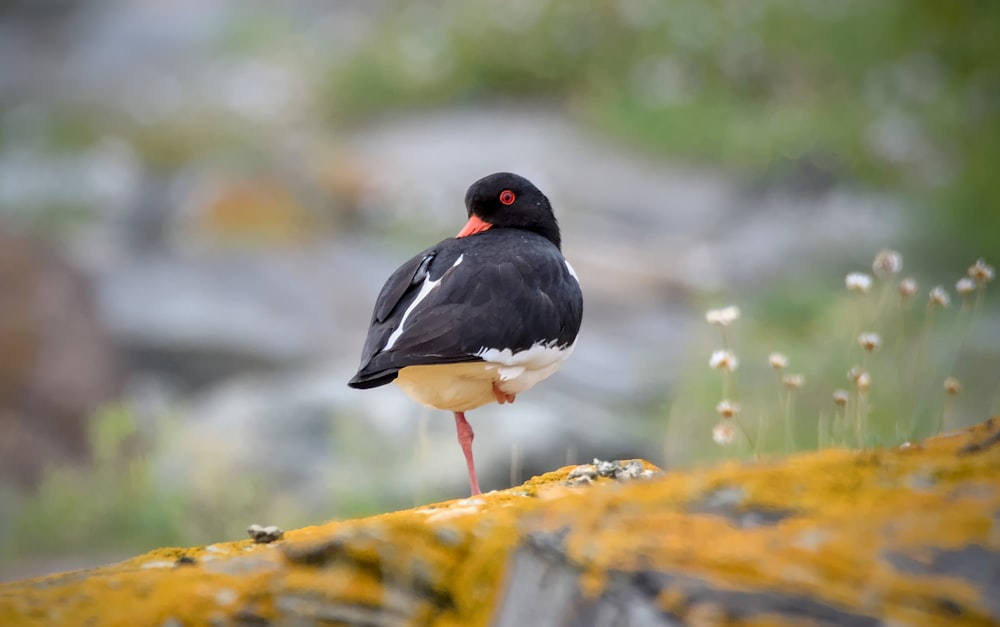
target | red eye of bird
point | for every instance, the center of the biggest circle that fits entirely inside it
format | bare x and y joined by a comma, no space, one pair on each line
507,197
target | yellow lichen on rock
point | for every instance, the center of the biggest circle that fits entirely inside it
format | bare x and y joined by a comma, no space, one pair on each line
908,535
439,562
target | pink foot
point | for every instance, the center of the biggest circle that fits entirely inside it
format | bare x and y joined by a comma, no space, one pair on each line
465,437
502,397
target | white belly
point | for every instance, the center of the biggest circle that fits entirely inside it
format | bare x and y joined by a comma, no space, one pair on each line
465,386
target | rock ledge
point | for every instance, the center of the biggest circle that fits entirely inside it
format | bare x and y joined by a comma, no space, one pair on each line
837,537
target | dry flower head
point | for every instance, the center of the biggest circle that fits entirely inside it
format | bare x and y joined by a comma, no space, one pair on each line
864,381
965,286
858,282
727,409
793,381
981,272
869,341
907,287
724,433
840,397
887,262
723,317
778,361
939,296
724,360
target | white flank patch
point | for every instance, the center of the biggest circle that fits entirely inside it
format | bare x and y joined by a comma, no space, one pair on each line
522,370
572,272
425,289
540,355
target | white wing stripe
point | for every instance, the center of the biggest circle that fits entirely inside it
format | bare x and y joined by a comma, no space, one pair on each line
425,289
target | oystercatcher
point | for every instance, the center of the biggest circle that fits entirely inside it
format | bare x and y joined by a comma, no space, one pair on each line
482,316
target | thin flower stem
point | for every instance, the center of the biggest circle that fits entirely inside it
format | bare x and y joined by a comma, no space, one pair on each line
967,315
821,431
900,373
945,413
923,339
781,400
980,296
789,436
883,300
857,420
761,428
901,314
750,440
859,323
862,418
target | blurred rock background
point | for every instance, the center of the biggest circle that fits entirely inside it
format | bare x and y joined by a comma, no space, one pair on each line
199,201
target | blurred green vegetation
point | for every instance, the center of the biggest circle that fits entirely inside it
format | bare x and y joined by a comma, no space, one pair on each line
125,500
113,503
896,95
817,327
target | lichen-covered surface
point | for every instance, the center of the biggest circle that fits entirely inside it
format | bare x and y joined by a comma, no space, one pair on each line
905,536
902,536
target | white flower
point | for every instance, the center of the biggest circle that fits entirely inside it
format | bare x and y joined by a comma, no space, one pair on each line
858,282
887,262
965,286
727,409
723,433
952,386
723,317
724,360
840,397
939,296
869,341
777,360
907,287
793,381
981,272
864,381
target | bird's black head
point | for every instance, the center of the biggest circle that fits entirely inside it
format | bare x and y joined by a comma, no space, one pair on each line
508,200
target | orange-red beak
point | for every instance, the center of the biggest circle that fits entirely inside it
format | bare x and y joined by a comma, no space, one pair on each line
473,226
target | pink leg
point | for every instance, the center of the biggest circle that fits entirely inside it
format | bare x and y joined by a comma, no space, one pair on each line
465,436
502,397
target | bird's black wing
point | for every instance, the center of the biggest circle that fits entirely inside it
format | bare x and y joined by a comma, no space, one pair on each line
508,290
398,293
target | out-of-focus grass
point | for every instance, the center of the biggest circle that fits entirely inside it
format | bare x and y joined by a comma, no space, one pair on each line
118,502
112,503
124,499
897,95
920,345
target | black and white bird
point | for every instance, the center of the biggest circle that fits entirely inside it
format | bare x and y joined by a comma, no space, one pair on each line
482,316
